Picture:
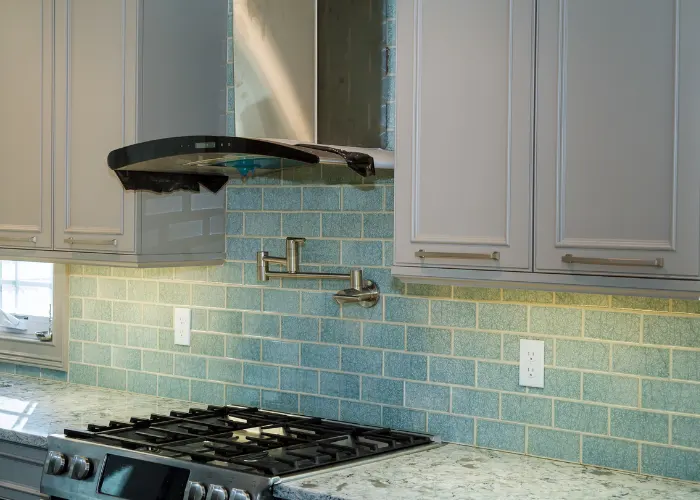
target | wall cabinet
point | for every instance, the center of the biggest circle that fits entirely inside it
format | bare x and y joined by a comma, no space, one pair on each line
97,76
603,171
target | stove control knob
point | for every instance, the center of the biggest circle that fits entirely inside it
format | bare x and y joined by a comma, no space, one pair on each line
81,468
197,491
217,492
239,495
55,463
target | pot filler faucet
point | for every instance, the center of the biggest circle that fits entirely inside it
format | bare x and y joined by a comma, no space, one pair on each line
361,291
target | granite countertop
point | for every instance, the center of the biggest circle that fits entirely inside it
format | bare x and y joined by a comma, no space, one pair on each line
463,472
31,409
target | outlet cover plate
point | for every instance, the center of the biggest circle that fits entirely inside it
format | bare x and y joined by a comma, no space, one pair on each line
532,363
183,325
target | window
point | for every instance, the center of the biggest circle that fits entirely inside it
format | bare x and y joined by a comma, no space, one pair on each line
26,288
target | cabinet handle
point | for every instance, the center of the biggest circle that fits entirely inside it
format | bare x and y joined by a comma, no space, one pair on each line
453,255
572,259
31,239
73,241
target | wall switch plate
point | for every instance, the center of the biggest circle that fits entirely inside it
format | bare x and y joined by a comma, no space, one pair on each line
183,325
532,363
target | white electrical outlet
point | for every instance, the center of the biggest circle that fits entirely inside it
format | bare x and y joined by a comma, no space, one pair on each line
183,325
532,363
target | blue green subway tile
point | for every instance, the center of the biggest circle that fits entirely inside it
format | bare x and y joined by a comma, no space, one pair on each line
261,325
75,351
282,301
284,198
383,335
82,374
382,390
321,252
209,344
639,425
28,371
303,284
83,330
307,225
362,253
498,376
97,309
228,272
559,445
111,378
404,419
611,389
526,409
275,246
452,313
581,417
357,360
142,336
685,306
244,348
190,366
280,352
451,428
607,325
320,356
501,436
427,396
241,297
316,406
174,293
142,291
672,330
230,97
477,344
378,226
123,357
244,198
452,370
686,432
199,320
319,304
335,331
340,385
612,453
158,362
638,360
429,340
511,347
243,396
208,296
298,380
108,288
225,370
556,321
643,303
405,310
190,273
96,354
356,311
560,383
388,253
586,355
58,375
127,312
334,285
96,270
125,272
76,308
342,225
155,315
211,393
580,299
426,290
250,276
298,328
531,296
671,396
80,286
670,462
238,248
263,224
385,281
111,333
321,198
225,321
508,317
407,366
389,196
261,375
234,223
142,383
686,365
8,367
368,198
280,401
158,273
361,413
166,341
477,293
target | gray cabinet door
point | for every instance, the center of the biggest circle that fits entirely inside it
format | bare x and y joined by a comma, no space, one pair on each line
617,149
464,98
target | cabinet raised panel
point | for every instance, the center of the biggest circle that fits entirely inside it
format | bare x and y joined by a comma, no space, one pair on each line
464,89
617,137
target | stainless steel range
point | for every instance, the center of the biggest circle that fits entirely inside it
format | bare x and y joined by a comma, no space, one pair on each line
221,453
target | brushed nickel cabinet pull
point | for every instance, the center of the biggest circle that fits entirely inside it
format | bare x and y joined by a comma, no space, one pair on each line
454,255
596,261
31,239
73,241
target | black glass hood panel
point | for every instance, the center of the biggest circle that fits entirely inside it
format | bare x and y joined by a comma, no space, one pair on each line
185,163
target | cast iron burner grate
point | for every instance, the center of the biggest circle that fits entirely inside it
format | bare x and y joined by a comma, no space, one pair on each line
250,440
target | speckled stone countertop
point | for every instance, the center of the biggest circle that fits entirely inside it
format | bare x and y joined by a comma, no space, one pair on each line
463,472
31,409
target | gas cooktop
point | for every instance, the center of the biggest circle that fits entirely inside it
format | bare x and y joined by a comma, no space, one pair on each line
218,453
